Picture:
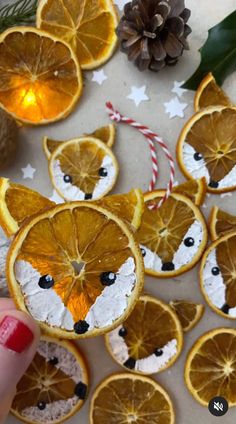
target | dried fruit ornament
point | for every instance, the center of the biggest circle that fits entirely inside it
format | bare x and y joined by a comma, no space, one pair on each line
54,386
150,340
83,168
8,139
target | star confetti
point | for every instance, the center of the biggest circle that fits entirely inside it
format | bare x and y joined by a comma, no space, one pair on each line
138,95
177,88
28,172
175,108
56,198
99,77
120,4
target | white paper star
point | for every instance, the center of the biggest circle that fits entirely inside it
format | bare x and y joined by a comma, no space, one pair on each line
99,77
204,206
28,172
175,108
138,95
177,88
56,198
120,3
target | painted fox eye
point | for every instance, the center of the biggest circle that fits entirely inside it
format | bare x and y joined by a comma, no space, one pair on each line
67,178
197,156
103,172
46,282
215,270
189,242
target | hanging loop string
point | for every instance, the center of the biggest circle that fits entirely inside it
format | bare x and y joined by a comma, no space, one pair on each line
151,137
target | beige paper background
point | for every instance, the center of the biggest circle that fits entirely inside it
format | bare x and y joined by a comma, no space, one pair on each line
133,155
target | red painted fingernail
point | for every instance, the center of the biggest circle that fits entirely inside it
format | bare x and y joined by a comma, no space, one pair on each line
15,335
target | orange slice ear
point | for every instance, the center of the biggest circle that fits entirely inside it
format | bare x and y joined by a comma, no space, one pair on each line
210,94
105,134
221,223
194,189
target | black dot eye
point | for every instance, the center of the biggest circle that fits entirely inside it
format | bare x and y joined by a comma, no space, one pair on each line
213,184
215,270
143,251
197,156
88,196
81,390
53,360
67,178
123,332
46,282
41,406
108,278
81,327
158,352
189,242
103,172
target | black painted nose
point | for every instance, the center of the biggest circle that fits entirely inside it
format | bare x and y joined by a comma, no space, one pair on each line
168,266
213,184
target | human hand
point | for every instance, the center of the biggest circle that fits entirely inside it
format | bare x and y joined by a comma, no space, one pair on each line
19,336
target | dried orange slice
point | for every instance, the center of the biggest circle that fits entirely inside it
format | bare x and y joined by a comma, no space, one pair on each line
88,26
218,276
128,398
189,313
83,169
77,269
18,203
194,189
150,340
210,94
210,368
129,207
221,223
54,386
105,134
207,148
173,237
40,76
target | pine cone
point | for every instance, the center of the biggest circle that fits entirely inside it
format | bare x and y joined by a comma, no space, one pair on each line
153,33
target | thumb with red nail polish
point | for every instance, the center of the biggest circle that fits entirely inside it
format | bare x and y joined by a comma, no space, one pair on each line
19,336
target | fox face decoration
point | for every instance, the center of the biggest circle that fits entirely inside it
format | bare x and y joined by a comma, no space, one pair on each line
83,168
207,148
218,275
173,237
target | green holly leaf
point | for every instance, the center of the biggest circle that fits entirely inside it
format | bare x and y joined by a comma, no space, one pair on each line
218,54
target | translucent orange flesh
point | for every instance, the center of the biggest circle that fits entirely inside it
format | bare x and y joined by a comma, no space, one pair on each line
225,223
226,260
88,25
187,312
83,236
38,77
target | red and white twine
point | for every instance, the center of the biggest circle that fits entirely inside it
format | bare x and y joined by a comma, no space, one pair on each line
152,138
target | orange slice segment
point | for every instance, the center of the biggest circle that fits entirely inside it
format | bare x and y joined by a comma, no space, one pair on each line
218,276
189,313
105,134
194,189
129,207
150,340
89,27
126,398
207,148
18,203
221,223
54,386
173,237
210,368
83,169
40,76
210,94
77,269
